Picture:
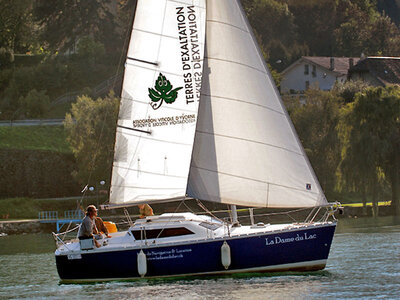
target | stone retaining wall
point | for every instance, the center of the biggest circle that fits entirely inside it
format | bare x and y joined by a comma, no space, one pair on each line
32,226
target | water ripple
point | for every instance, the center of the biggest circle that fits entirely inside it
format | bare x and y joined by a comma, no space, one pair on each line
362,265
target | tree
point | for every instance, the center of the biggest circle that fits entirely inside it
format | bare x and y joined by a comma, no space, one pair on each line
316,123
126,10
16,25
16,83
276,15
348,90
385,38
315,21
65,21
6,58
90,50
370,131
391,8
361,29
274,26
91,132
35,104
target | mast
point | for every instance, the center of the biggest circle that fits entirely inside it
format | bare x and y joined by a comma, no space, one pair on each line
235,221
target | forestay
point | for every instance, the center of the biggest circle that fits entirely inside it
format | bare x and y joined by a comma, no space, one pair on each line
159,104
246,151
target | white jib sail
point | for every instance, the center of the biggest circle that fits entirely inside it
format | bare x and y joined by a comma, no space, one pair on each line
246,151
159,104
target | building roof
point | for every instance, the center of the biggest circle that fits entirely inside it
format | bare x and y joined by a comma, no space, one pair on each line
384,69
341,64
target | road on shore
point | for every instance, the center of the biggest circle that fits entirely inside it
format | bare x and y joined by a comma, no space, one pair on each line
44,122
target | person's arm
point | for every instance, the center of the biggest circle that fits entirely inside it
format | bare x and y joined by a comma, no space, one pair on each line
103,226
142,213
105,230
149,211
95,231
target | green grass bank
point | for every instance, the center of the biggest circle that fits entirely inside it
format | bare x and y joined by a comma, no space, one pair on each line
28,208
46,138
36,162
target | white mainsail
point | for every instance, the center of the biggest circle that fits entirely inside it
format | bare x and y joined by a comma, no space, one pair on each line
159,104
246,151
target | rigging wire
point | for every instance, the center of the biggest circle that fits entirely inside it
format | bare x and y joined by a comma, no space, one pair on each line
201,205
124,54
166,224
95,156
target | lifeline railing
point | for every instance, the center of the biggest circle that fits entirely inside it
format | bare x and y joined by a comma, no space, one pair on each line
61,238
316,214
323,212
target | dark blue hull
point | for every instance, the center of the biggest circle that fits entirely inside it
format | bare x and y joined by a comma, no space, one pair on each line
302,249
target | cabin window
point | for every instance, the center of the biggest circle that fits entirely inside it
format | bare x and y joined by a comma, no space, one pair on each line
161,233
314,71
307,85
306,69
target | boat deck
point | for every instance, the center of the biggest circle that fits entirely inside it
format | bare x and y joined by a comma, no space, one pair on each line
176,229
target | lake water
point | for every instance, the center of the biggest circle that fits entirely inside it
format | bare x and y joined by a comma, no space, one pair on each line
364,263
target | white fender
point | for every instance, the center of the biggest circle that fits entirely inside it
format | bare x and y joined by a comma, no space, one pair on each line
142,263
225,255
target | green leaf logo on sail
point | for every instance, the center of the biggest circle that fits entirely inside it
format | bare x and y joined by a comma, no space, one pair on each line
162,92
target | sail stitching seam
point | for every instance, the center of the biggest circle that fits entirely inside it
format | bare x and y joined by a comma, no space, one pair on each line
148,188
257,180
247,140
164,107
153,69
148,172
237,63
160,35
228,24
153,139
243,101
264,63
180,2
154,33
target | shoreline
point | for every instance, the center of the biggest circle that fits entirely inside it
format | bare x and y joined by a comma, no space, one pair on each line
22,226
35,226
353,218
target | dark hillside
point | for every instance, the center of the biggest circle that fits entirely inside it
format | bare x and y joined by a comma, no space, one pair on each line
29,173
391,8
36,161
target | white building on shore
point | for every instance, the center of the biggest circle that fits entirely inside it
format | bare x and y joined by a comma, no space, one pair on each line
314,71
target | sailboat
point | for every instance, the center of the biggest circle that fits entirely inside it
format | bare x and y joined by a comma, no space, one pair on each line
200,118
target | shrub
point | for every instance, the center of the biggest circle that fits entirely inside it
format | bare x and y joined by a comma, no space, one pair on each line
35,104
6,57
30,173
